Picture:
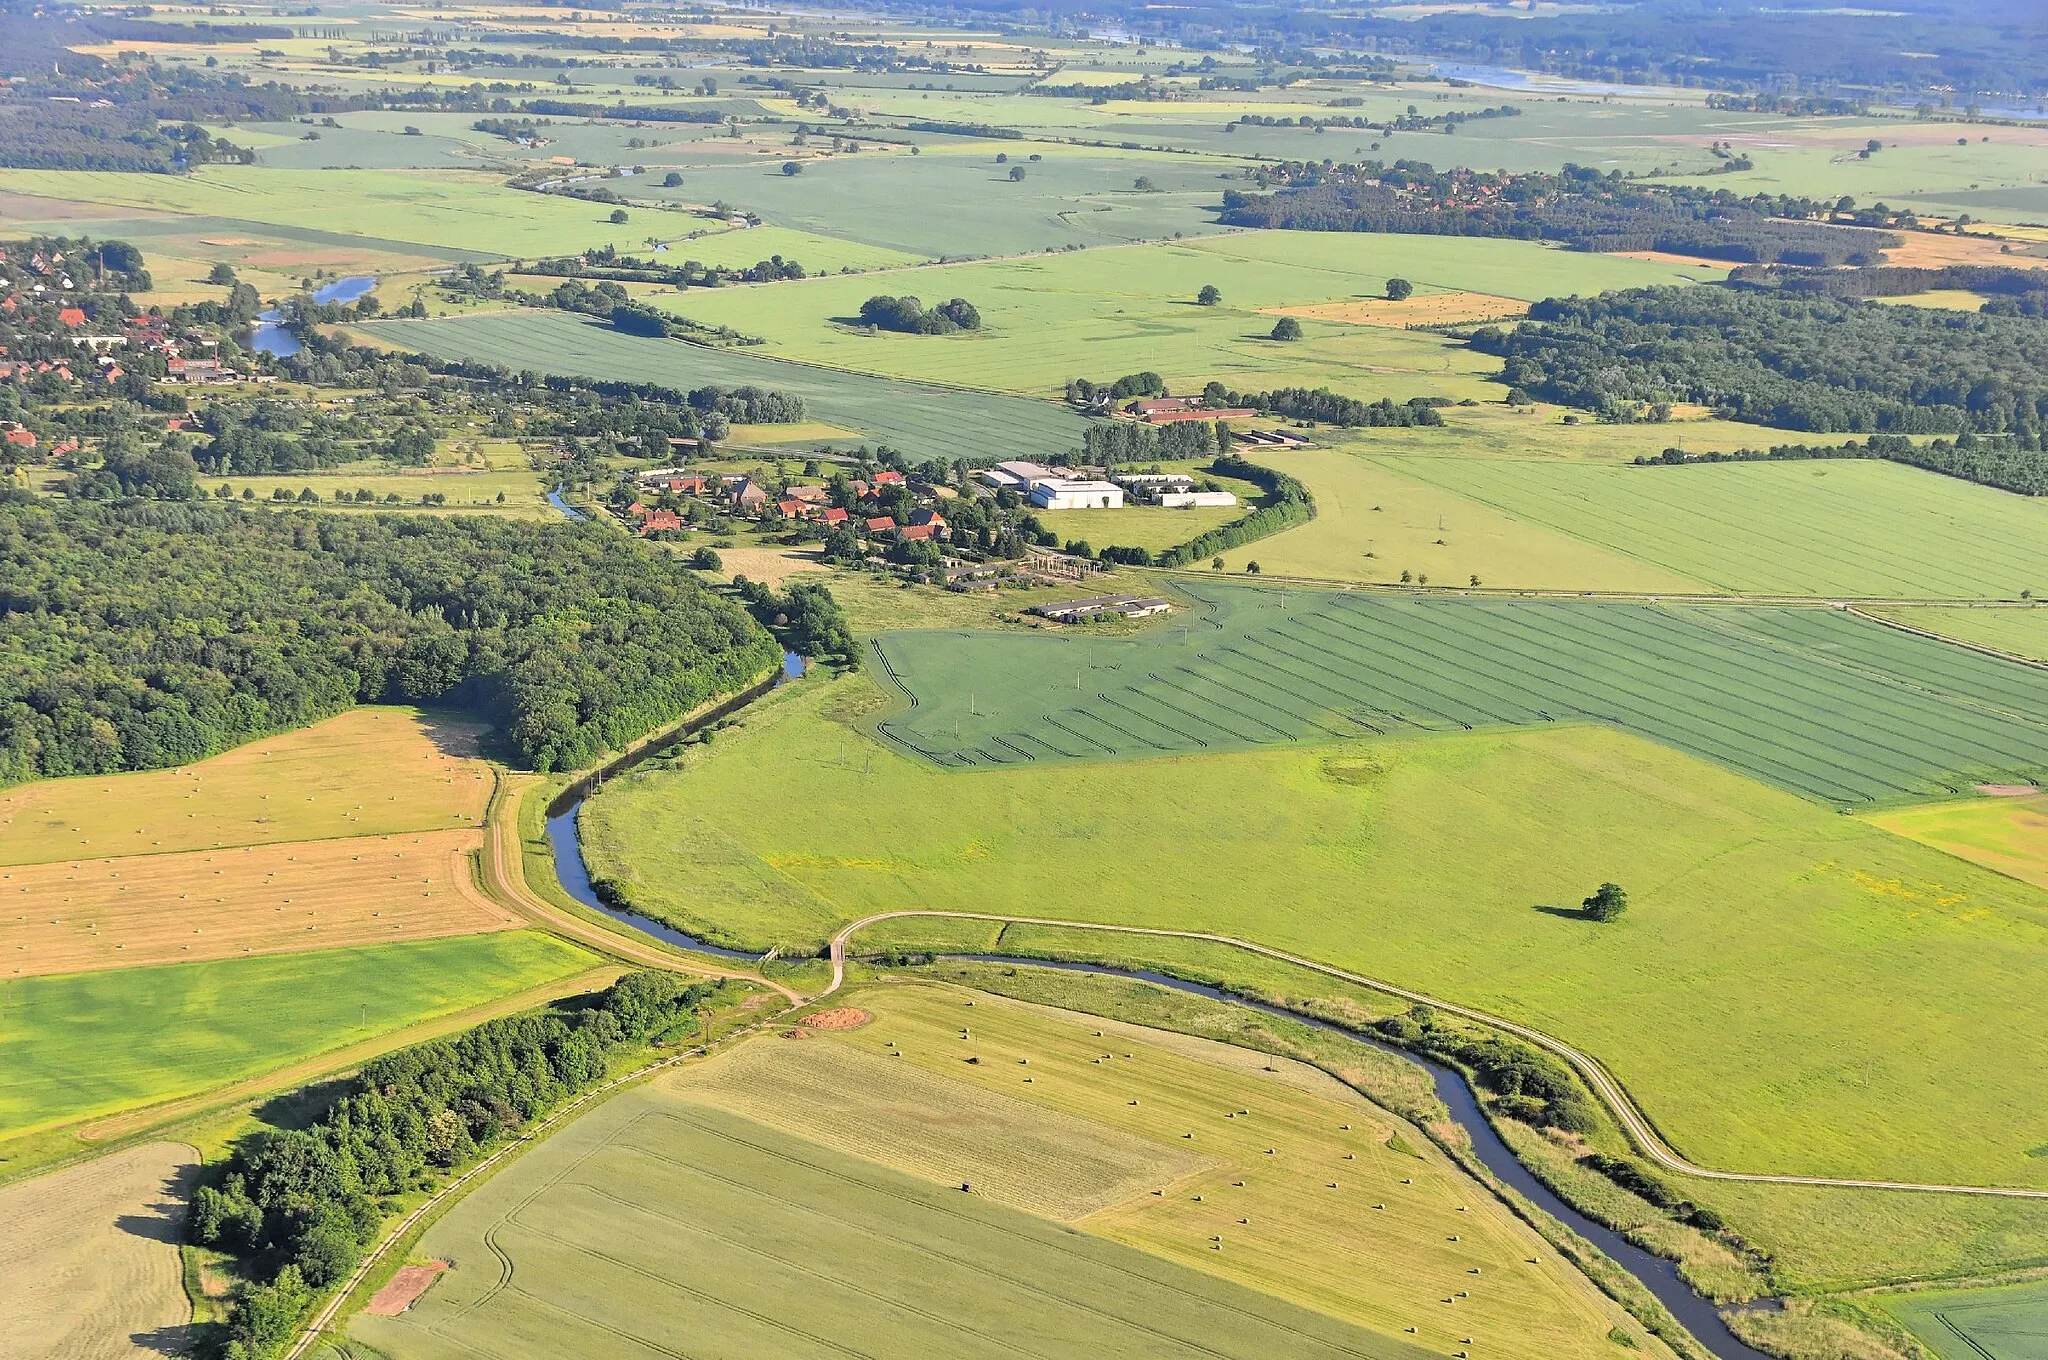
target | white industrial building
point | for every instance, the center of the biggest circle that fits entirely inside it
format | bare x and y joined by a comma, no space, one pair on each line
1061,493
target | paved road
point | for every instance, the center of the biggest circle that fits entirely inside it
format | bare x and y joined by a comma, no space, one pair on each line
1611,1092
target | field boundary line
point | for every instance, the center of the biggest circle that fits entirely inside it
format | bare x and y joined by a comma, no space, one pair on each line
1634,1122
1979,647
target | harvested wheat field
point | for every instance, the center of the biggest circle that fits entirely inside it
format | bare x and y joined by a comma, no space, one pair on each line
369,771
82,915
1932,250
769,566
89,1264
1423,309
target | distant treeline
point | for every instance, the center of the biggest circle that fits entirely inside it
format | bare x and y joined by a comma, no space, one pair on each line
1988,462
2022,292
137,635
299,1207
1581,208
964,129
1329,408
1794,360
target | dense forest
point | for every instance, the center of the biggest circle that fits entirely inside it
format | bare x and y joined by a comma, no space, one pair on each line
135,635
1795,361
2015,291
1578,207
298,1207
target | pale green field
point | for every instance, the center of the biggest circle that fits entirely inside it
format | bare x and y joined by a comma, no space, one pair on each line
1845,946
1847,527
2022,632
745,1167
1104,313
522,490
1364,505
1134,526
658,1224
2009,1323
442,209
2007,834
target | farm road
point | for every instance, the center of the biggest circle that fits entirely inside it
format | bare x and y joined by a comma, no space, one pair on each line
1611,1092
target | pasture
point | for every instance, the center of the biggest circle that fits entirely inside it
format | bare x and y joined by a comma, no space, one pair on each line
87,1044
1428,861
91,1257
75,916
2007,834
371,771
923,420
1103,313
505,492
1997,1323
1813,700
657,1222
2018,632
1138,526
1851,528
1373,522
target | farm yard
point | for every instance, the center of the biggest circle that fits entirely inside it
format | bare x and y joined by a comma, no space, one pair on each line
723,1165
1815,701
934,420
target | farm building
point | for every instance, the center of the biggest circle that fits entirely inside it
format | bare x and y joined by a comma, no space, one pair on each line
1272,439
1169,410
1059,493
1102,606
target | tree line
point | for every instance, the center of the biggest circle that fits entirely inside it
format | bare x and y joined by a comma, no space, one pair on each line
1795,361
297,1208
1331,408
138,634
1287,503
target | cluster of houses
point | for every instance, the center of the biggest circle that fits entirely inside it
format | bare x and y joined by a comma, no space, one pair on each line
748,499
192,359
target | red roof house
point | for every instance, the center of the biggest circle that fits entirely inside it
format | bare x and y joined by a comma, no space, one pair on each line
920,532
881,524
71,316
888,478
659,520
25,438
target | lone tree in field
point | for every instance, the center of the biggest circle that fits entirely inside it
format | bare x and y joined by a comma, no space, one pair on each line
1210,295
1016,174
1399,290
1288,329
792,168
1607,904
618,216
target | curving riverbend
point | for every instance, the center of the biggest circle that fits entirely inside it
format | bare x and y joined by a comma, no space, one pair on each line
1659,1276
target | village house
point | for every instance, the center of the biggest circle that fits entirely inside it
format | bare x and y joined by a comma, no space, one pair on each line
881,524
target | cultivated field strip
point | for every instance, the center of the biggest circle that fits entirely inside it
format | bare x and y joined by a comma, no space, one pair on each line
1811,699
933,420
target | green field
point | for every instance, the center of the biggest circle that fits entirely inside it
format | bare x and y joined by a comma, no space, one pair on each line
2021,632
1107,312
90,1044
658,1225
2009,1323
1846,527
1367,506
1813,700
923,421
1781,996
522,490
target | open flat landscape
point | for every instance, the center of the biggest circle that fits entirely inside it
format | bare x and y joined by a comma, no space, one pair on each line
1847,944
734,1165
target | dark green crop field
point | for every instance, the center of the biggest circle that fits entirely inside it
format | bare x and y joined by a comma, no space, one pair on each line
923,419
1813,700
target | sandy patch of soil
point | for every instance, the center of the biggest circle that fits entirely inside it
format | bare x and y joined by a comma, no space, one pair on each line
843,1017
405,1289
1423,309
2008,790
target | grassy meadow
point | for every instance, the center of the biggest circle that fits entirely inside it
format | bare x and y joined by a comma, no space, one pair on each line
925,421
1850,528
90,1044
658,1222
1103,313
1374,522
1813,700
1428,862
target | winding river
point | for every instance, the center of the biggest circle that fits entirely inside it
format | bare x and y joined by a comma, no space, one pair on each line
1658,1275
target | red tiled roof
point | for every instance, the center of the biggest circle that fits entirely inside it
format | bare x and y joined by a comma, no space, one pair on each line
881,524
71,316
